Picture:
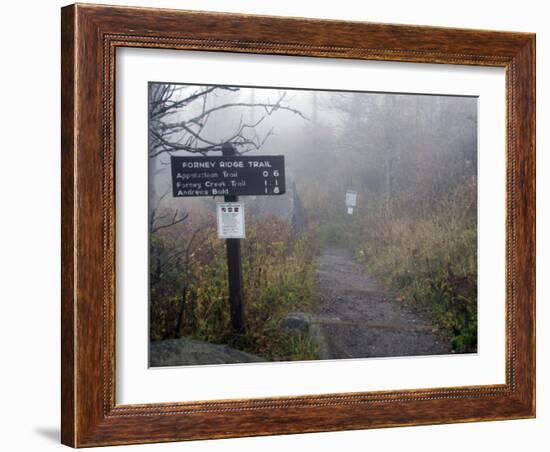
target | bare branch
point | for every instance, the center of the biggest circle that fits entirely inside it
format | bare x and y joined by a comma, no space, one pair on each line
189,135
175,220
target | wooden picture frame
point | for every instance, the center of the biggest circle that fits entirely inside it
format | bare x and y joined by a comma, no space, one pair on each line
90,36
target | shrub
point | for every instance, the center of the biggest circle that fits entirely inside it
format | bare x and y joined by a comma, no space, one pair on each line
190,298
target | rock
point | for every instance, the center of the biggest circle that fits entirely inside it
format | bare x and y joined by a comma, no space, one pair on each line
190,352
296,322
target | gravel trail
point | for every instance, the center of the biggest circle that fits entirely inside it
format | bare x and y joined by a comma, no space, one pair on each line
358,319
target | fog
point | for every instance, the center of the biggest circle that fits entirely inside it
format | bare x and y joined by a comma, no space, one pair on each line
411,235
398,148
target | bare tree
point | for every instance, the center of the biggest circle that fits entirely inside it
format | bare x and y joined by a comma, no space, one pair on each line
165,219
178,120
178,116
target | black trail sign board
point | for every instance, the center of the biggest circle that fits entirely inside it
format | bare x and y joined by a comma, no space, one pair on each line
228,175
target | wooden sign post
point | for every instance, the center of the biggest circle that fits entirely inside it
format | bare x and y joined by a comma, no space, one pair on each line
234,269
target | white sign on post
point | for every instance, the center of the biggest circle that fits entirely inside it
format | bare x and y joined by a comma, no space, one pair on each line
230,220
351,200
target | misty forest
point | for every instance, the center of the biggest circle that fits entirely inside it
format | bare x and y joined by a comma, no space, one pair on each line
393,275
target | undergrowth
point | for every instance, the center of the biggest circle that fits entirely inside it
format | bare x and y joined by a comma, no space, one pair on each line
190,296
431,261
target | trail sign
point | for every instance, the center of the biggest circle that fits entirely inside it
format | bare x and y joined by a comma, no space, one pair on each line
237,175
351,200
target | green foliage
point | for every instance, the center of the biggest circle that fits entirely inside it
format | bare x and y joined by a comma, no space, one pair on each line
431,260
452,302
278,278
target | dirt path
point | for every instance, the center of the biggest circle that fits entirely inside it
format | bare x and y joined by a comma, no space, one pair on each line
357,319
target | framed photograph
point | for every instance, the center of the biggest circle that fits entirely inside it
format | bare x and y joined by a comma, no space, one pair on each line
281,225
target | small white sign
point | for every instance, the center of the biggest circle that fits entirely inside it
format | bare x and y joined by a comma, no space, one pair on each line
230,220
351,198
350,210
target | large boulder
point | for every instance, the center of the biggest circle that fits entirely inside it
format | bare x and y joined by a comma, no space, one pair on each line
189,352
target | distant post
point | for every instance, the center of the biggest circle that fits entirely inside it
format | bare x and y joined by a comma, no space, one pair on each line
234,266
